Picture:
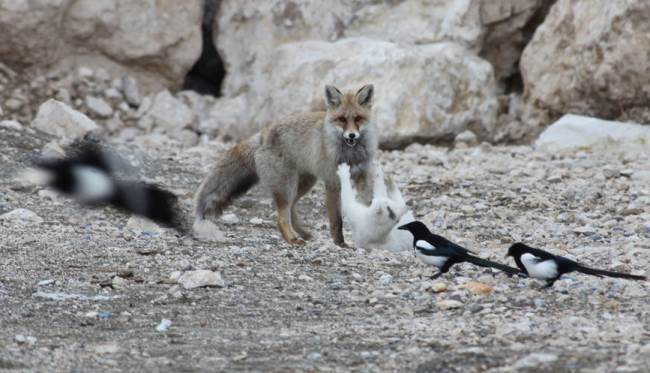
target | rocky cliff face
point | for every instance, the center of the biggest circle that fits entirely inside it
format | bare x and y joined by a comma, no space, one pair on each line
502,69
157,40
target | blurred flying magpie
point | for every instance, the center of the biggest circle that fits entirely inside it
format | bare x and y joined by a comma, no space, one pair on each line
88,174
436,250
543,265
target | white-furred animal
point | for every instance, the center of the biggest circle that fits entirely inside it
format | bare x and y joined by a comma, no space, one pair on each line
374,226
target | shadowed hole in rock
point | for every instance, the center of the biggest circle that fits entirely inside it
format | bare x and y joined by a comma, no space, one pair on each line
208,72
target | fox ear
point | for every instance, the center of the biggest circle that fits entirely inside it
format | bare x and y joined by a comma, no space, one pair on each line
333,96
364,95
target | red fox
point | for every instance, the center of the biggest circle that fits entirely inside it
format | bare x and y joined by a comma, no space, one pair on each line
289,156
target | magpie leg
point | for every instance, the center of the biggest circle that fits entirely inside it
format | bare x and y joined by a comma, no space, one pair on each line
549,284
435,275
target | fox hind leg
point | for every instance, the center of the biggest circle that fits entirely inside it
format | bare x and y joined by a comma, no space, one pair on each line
305,183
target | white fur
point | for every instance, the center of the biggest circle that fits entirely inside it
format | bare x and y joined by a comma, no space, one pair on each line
92,184
372,227
543,270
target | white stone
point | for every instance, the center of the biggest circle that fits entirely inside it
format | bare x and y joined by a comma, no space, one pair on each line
578,133
131,91
99,107
200,278
169,113
21,216
205,230
11,125
448,304
230,218
164,325
58,119
535,360
141,225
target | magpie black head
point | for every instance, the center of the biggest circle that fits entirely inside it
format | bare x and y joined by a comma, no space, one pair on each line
517,249
417,228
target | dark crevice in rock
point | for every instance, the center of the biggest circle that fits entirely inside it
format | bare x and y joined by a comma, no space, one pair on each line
515,82
208,72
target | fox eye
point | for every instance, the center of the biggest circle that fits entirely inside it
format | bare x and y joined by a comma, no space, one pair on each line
358,119
341,119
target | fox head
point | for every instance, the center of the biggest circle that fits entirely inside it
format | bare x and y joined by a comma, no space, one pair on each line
349,113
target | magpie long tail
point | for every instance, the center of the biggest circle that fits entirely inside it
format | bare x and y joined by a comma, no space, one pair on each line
490,264
600,273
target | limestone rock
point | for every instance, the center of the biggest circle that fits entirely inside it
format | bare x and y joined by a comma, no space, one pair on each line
200,278
169,113
58,119
21,216
263,26
589,58
458,93
575,133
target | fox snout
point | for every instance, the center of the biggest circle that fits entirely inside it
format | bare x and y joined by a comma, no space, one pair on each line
351,137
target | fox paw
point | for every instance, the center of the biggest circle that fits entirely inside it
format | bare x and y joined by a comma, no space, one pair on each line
297,241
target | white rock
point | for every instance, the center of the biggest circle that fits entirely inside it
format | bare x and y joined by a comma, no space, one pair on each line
466,137
206,230
99,107
448,304
385,279
11,124
256,221
200,278
131,91
263,26
169,113
106,348
28,340
535,360
167,46
141,225
225,118
58,119
230,218
21,216
174,276
164,325
459,90
52,150
578,133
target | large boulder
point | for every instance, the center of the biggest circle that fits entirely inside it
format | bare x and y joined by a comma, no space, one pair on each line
425,93
591,58
249,31
30,31
579,133
159,36
154,39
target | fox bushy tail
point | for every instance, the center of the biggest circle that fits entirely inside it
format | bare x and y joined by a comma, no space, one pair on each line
233,175
600,273
487,263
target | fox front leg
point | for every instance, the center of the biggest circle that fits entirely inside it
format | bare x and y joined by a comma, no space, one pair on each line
333,205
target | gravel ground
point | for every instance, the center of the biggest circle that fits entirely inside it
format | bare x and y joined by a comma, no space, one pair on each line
84,291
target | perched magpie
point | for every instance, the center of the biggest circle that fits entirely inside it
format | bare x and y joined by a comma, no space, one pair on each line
436,250
543,265
88,174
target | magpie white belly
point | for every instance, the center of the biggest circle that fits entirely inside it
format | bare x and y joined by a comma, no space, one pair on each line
545,269
437,261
